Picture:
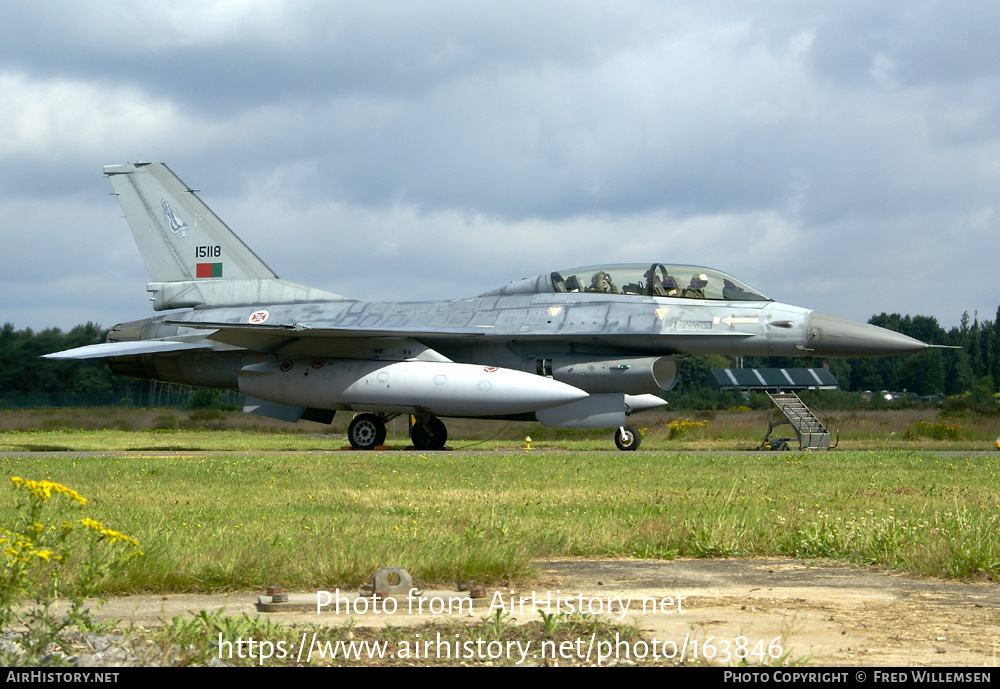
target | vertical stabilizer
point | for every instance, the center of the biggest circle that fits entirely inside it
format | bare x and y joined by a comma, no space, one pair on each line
179,237
193,258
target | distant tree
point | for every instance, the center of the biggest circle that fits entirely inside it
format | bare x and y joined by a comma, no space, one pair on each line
982,393
91,379
23,370
692,370
206,398
866,374
959,377
842,370
921,373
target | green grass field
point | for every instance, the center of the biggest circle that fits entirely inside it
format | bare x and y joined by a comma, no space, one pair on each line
232,502
115,428
323,519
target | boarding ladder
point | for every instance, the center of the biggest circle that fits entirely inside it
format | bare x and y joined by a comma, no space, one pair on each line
812,433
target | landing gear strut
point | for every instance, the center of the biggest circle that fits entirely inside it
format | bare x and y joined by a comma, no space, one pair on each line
627,438
428,433
366,432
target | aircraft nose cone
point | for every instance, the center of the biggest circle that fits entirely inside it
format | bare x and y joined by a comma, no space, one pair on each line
834,336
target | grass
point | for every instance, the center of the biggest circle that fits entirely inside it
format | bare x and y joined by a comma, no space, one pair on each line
118,429
307,521
490,640
312,517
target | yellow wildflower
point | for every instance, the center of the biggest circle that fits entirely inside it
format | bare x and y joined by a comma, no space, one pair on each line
45,489
91,524
110,534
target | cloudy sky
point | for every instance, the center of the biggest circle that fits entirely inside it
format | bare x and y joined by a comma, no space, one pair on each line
843,156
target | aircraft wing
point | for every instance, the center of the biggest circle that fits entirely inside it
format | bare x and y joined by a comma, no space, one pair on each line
297,339
322,340
265,336
107,349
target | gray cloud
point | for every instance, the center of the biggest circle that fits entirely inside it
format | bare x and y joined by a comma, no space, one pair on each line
829,154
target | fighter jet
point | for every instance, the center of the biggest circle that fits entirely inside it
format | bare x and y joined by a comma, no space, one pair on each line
577,347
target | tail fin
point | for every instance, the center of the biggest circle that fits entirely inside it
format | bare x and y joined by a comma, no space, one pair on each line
193,258
180,238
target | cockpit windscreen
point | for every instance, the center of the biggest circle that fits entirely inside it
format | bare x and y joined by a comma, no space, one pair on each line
656,280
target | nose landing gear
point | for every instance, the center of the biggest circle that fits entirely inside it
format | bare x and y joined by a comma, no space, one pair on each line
628,438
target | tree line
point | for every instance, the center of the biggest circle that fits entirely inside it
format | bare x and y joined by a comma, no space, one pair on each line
21,369
974,367
28,381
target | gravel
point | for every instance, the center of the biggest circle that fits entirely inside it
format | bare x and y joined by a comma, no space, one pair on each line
90,649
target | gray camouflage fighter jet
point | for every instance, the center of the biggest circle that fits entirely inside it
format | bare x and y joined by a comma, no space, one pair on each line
583,347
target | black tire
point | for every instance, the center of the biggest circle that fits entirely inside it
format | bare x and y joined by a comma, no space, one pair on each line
366,432
429,434
629,440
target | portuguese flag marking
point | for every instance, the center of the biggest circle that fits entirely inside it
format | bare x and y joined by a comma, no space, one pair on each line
208,270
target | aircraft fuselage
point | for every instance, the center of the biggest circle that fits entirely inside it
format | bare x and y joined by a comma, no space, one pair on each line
581,347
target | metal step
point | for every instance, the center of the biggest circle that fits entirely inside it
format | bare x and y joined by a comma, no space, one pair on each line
811,432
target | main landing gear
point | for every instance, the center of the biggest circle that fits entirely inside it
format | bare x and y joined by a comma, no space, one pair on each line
428,433
367,431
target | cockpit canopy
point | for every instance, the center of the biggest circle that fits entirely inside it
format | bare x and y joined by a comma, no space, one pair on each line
644,280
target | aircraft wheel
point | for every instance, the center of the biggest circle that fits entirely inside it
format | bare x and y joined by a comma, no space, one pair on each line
366,431
429,434
627,438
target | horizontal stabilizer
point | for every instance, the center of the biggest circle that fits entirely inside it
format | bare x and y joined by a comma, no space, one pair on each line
107,349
